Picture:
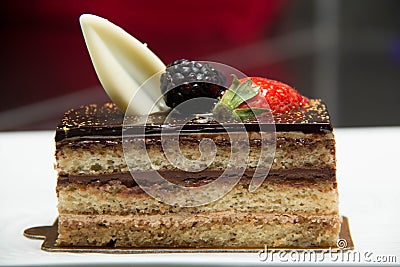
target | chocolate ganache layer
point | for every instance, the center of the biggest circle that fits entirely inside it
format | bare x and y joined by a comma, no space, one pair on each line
220,139
107,120
296,176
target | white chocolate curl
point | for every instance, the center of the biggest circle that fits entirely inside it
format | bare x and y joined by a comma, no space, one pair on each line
123,64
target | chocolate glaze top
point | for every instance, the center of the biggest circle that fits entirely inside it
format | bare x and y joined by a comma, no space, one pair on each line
107,120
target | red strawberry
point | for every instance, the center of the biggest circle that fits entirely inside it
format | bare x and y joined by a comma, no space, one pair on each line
280,97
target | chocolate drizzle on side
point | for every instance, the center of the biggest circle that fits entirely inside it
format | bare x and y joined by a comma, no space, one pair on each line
107,120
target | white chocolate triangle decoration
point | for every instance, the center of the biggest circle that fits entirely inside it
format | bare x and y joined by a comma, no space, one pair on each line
123,64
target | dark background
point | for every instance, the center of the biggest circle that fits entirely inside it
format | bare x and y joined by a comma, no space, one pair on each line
345,51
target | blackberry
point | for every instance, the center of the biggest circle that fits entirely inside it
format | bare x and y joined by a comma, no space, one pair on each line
185,79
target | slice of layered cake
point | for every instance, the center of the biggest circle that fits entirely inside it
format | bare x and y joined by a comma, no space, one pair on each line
100,204
106,182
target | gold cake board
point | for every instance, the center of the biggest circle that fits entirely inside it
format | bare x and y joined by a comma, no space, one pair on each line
49,235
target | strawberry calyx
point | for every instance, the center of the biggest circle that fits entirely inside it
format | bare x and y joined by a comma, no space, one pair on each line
231,104
252,96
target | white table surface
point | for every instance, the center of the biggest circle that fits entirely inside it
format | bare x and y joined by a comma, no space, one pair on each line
367,171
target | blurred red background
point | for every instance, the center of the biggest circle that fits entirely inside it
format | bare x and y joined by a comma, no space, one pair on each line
336,50
46,56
